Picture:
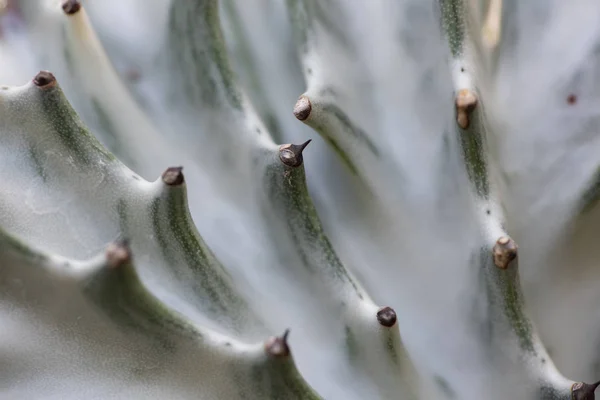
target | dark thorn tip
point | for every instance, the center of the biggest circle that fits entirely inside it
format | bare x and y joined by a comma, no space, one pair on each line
71,7
584,391
387,317
303,145
44,79
278,346
285,335
118,253
302,108
173,176
291,154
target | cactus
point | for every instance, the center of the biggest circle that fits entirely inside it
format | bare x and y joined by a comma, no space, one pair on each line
172,227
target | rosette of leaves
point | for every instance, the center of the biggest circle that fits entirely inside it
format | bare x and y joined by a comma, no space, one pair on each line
167,230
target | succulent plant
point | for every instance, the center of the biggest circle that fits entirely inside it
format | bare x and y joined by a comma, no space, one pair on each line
448,132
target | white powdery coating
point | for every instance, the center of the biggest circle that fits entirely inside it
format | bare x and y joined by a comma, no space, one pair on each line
544,112
45,211
240,239
132,31
74,55
401,95
94,357
266,29
236,229
396,85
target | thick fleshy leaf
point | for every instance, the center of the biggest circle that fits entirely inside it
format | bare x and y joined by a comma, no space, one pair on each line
110,337
446,128
539,85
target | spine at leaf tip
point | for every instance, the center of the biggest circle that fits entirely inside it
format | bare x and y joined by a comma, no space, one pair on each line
466,101
505,251
71,7
173,176
44,80
291,154
302,108
277,346
584,391
387,317
118,253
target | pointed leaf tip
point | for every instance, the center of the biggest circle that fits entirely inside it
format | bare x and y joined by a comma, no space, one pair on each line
387,317
303,145
504,252
118,253
44,79
173,176
584,391
278,346
302,108
291,154
71,7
